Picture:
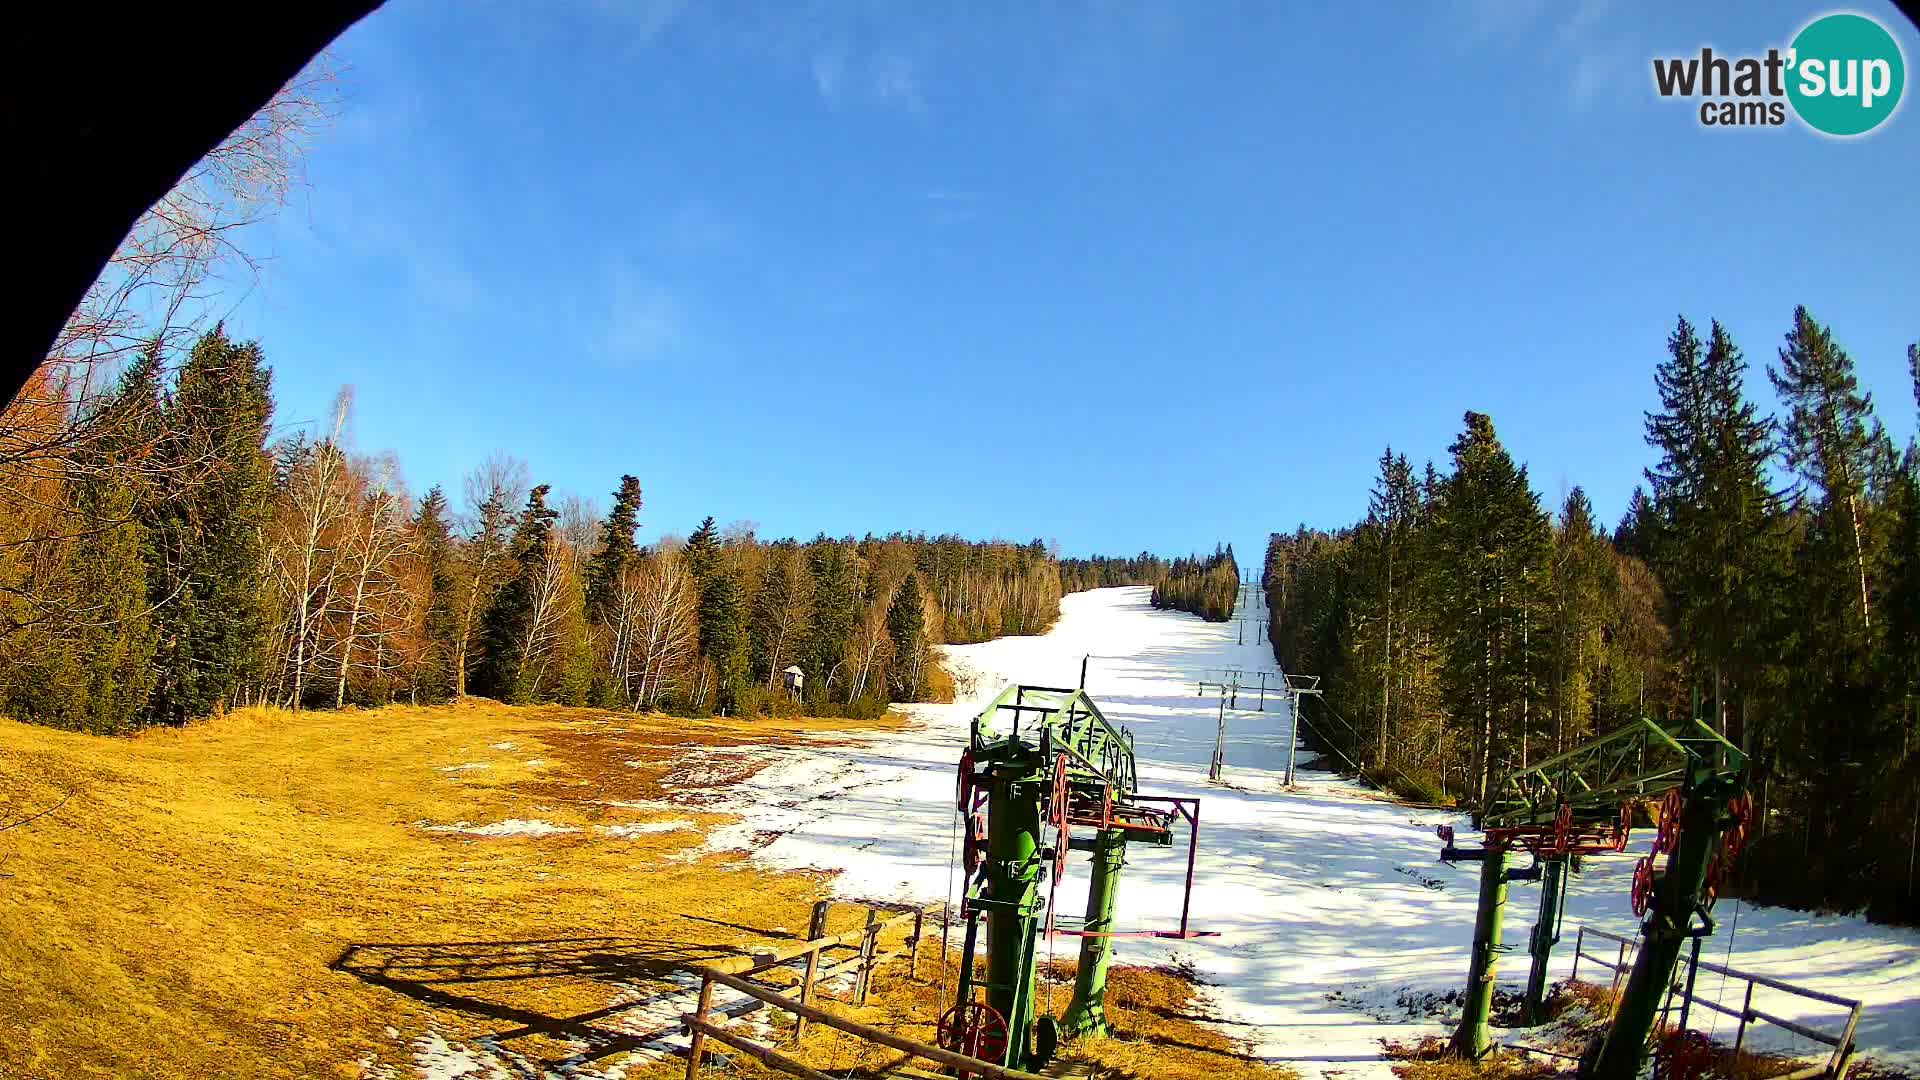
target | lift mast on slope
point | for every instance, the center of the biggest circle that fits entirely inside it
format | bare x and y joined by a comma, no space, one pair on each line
1041,762
1577,803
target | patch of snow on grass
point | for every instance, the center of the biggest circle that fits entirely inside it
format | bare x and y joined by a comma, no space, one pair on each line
464,768
642,828
509,827
503,746
645,804
438,1059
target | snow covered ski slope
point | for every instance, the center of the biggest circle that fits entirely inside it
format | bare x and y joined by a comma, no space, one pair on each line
1328,899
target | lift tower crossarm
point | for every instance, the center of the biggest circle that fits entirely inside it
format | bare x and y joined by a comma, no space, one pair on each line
1641,758
1575,803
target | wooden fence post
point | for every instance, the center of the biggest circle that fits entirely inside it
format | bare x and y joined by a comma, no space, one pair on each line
1843,1051
1746,1013
699,1037
816,929
1579,942
913,947
867,949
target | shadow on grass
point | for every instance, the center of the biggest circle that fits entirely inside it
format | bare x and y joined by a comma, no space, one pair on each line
535,987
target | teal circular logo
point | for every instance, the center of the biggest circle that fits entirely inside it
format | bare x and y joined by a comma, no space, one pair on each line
1845,74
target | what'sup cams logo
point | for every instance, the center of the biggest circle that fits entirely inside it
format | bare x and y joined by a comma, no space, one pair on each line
1842,76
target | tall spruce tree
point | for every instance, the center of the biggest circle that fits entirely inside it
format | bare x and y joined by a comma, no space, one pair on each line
513,611
906,629
1718,537
433,533
836,611
617,549
1582,576
1490,529
703,549
724,640
484,566
1828,442
1383,579
204,582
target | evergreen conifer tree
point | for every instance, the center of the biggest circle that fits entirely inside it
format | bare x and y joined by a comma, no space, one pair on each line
723,636
507,622
703,550
906,629
617,549
92,670
1717,534
433,532
204,583
484,565
836,611
1490,530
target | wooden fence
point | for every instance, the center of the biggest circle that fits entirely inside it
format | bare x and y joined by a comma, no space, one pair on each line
864,941
1840,1041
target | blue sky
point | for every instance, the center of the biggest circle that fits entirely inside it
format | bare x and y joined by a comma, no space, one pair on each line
1122,275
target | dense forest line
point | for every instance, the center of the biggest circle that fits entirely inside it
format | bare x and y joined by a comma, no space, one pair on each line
1108,571
1204,586
164,558
1766,578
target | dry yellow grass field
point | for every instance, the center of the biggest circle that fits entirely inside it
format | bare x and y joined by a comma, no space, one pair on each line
265,895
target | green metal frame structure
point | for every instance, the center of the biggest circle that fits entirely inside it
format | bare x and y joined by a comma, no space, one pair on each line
1576,804
1040,761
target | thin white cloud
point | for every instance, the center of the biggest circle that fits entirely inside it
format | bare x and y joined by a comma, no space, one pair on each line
951,206
645,320
1482,21
830,74
896,82
642,20
1601,75
1587,14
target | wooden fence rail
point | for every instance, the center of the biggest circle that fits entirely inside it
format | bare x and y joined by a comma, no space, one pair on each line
703,1027
865,941
1841,1041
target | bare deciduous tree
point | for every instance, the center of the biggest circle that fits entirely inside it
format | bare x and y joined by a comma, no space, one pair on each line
550,604
316,501
377,603
661,594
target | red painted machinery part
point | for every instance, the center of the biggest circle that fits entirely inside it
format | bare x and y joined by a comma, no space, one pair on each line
1642,885
973,1028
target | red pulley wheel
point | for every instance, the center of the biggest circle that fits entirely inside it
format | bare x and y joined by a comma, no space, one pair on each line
1668,837
965,785
976,844
1642,894
973,1028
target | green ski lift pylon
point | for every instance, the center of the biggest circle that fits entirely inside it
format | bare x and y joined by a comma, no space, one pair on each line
1576,804
1039,762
